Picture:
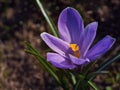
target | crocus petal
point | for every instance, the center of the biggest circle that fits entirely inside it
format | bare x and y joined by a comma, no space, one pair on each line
100,48
78,61
70,25
55,43
59,61
89,35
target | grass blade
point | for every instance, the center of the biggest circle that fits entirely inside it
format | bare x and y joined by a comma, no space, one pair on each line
107,63
43,62
93,85
48,19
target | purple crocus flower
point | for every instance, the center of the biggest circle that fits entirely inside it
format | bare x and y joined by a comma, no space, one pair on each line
72,49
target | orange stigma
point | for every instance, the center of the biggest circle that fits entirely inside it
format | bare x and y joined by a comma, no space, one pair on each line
75,49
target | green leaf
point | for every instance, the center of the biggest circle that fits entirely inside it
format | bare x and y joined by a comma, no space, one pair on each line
48,19
91,84
73,78
44,63
88,67
96,73
79,81
118,76
107,63
77,84
108,88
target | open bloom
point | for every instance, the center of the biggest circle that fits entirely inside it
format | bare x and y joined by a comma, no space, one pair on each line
73,49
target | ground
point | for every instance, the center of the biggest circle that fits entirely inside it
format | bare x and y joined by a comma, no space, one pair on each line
22,20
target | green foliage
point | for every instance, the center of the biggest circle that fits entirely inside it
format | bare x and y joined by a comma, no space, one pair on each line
48,19
93,85
106,64
60,76
44,63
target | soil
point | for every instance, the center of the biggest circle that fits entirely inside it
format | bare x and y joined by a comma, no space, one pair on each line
22,20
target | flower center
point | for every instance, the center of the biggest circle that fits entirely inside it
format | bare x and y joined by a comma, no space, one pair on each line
75,49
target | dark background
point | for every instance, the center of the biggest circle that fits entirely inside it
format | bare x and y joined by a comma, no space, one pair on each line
22,20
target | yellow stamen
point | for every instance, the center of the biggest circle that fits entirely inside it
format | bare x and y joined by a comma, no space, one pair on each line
75,49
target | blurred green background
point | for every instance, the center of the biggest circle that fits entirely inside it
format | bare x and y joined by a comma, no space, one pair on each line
22,20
